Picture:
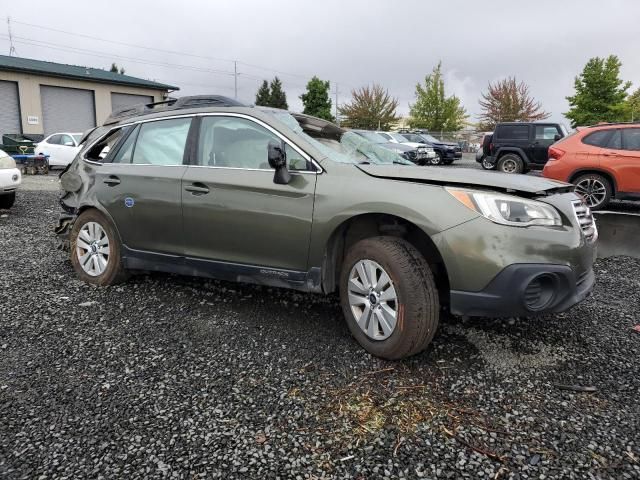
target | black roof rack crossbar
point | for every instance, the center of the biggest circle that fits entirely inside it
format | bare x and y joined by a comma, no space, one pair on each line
195,101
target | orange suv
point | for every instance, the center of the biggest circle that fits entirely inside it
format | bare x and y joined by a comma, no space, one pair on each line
603,161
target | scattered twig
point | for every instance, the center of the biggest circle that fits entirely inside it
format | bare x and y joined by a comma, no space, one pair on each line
344,459
487,453
390,369
576,388
631,456
398,443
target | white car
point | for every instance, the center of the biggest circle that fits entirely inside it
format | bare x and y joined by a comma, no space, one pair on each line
394,137
62,148
10,178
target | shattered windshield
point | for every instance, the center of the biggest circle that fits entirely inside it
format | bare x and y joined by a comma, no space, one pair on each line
371,136
349,148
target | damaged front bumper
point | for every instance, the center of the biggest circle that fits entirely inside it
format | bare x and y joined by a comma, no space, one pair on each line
63,230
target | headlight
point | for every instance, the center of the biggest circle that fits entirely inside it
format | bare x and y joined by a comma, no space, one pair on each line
507,209
7,162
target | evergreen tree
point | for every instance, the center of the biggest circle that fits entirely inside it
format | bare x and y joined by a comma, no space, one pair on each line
277,99
600,93
263,96
316,99
433,110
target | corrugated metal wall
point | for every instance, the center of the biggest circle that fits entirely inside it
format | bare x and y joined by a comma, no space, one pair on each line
9,108
67,109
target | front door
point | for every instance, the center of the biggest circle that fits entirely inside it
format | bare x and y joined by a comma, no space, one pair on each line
139,185
233,211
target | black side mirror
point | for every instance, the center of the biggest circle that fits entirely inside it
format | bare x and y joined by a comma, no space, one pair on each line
556,137
278,160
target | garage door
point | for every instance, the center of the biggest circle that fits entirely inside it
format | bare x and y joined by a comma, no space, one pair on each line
67,109
9,109
121,100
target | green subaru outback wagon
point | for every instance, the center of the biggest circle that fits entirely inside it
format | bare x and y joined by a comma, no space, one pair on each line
208,187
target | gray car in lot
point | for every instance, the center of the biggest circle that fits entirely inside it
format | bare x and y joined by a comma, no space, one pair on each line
208,187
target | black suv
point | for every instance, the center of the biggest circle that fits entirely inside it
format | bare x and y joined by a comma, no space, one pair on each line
446,152
517,147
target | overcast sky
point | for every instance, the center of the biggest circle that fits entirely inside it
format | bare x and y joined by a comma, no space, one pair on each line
349,42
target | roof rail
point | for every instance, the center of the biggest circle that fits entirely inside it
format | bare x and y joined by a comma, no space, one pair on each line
194,101
602,124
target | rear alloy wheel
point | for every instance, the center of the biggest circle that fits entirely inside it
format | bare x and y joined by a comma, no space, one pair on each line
595,189
437,160
389,297
95,250
510,163
7,200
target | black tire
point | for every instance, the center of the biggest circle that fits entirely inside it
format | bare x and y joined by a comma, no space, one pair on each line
417,307
510,163
589,187
114,272
7,200
437,160
447,161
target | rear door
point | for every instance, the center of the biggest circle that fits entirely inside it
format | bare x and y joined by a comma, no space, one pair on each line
67,149
626,163
543,137
233,211
139,185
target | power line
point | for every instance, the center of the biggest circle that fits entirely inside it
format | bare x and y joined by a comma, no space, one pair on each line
173,52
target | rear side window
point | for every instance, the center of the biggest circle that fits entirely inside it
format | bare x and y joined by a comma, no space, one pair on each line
615,142
161,142
546,132
631,138
597,139
512,132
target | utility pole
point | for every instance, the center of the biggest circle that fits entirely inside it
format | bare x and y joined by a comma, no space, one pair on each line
235,78
12,49
337,119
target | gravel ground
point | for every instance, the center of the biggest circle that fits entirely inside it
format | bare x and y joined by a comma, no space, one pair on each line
172,377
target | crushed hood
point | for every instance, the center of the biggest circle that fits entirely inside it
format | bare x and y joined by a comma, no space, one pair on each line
506,182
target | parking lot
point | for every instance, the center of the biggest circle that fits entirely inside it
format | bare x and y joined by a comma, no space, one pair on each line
168,376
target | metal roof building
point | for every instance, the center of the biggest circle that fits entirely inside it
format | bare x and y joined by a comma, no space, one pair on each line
38,97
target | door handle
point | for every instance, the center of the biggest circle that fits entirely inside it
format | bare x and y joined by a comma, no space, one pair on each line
609,154
112,180
197,189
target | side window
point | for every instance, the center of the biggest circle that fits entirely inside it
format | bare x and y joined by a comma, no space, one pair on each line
233,143
597,139
67,141
513,132
546,132
101,149
615,142
55,139
125,153
386,136
161,142
295,161
632,139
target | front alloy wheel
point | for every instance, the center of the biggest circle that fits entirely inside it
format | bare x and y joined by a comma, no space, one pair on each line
389,297
373,299
437,160
487,165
